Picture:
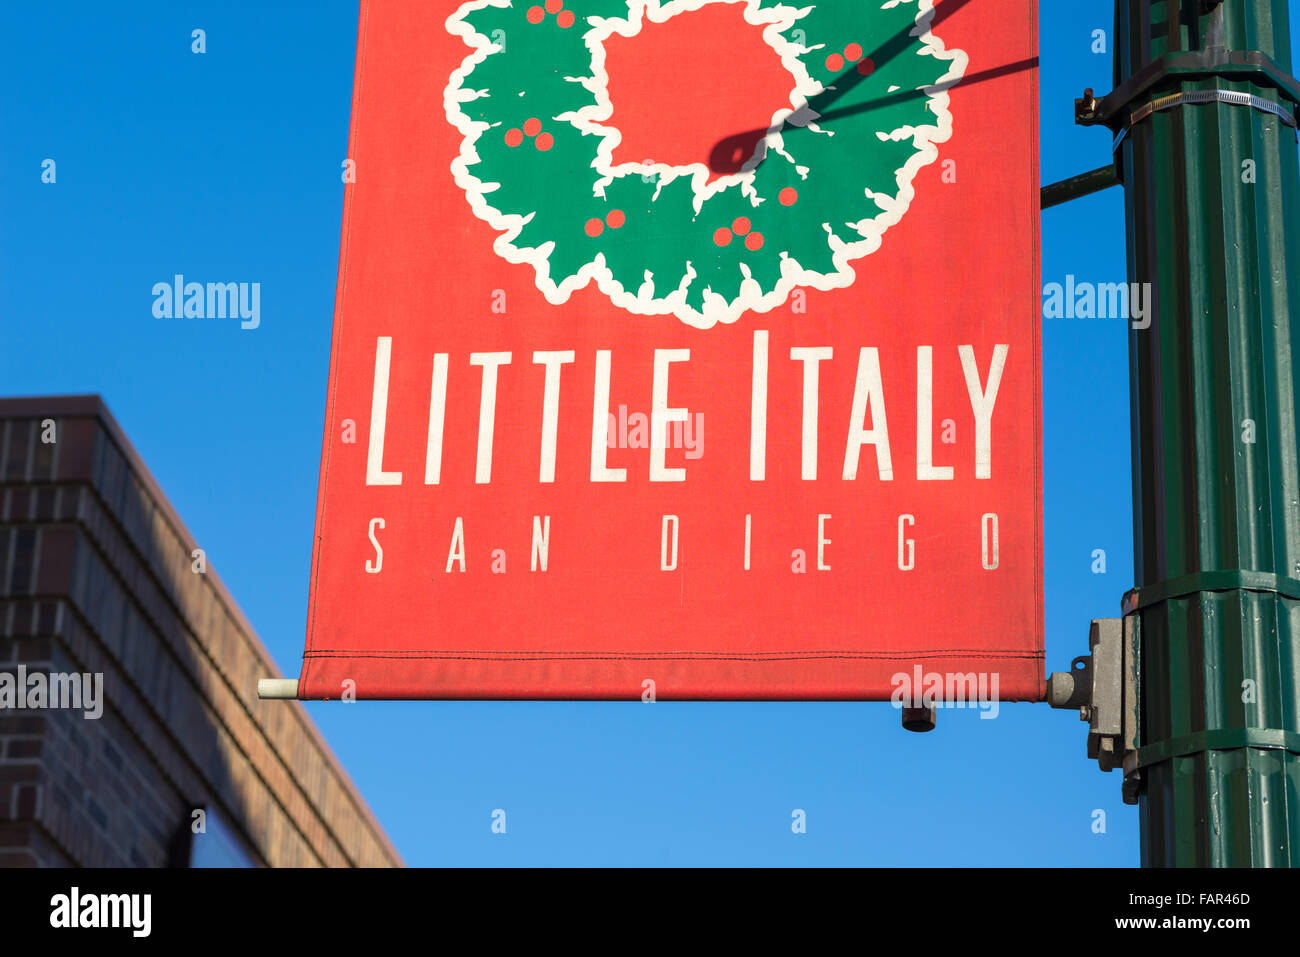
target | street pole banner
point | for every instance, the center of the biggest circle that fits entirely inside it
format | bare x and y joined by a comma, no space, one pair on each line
685,350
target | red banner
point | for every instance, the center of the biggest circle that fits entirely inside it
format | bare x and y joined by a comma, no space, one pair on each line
684,350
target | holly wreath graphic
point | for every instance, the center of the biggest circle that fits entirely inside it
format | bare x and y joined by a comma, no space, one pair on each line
832,173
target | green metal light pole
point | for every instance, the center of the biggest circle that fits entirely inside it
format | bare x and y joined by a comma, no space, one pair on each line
1212,201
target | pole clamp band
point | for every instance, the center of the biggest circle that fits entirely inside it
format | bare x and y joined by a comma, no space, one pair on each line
1219,739
1186,586
1213,63
1230,97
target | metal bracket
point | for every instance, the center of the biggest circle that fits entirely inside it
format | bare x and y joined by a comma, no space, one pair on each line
1103,687
1214,63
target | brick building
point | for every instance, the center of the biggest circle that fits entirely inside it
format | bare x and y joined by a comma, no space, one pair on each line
96,577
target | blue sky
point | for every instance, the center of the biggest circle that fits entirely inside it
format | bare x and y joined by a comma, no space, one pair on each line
228,164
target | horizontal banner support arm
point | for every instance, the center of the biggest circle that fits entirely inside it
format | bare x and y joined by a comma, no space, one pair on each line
277,688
